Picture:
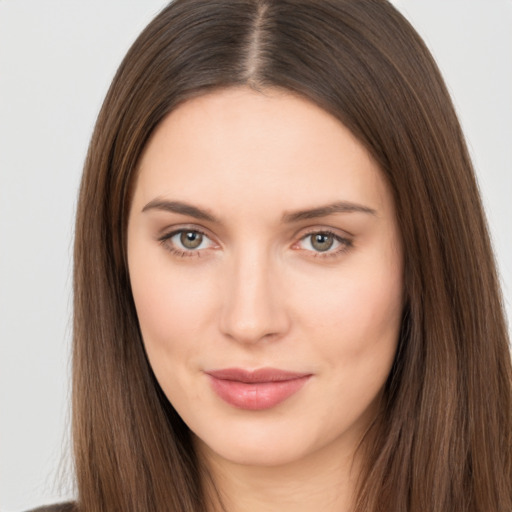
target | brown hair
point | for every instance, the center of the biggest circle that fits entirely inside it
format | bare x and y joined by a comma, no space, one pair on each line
443,440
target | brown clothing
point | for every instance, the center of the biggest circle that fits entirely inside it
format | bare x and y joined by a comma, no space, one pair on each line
60,507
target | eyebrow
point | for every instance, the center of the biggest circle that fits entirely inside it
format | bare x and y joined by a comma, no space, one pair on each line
323,211
289,217
181,208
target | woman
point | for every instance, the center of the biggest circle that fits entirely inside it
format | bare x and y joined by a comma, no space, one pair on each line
285,296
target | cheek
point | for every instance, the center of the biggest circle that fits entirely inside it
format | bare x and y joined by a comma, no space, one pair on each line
172,308
357,312
355,327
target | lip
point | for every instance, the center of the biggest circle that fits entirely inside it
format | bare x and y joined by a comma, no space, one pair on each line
255,390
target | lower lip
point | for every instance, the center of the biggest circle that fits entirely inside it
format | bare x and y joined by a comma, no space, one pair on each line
256,396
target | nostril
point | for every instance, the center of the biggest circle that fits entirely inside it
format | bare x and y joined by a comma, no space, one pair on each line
252,323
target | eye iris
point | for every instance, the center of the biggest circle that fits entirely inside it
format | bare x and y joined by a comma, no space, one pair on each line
191,239
322,241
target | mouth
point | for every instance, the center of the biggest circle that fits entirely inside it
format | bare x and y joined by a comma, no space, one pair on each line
254,390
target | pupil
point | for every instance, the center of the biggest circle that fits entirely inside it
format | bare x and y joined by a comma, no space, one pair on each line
191,240
322,242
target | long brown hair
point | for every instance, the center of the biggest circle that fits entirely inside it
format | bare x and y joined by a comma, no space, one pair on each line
443,440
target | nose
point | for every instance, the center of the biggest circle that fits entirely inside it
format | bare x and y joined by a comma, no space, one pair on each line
253,308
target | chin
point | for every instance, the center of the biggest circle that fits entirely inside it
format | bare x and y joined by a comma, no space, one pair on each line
257,441
245,452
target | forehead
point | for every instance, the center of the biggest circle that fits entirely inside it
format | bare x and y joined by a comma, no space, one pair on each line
235,147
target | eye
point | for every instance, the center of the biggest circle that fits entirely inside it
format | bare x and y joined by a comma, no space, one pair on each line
186,242
190,239
321,242
324,243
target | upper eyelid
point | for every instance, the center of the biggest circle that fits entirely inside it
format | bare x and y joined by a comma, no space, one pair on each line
317,228
166,238
169,232
337,232
339,238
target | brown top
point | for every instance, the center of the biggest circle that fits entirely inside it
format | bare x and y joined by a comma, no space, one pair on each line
59,507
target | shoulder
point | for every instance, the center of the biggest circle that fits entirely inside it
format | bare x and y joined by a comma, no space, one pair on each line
59,507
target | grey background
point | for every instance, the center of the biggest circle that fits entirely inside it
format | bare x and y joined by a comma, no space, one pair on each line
57,58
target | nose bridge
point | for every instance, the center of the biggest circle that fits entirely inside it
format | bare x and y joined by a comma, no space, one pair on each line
253,308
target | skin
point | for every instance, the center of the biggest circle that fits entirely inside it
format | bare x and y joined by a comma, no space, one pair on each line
258,293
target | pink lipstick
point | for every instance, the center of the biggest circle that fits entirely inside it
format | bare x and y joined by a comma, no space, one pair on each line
256,390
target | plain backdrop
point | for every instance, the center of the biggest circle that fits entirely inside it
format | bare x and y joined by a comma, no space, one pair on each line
57,58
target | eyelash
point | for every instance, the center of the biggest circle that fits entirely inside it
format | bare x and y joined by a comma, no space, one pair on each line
178,252
345,243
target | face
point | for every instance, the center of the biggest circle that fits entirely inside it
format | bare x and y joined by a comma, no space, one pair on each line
266,269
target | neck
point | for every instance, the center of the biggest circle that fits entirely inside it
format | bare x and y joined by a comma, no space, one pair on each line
319,481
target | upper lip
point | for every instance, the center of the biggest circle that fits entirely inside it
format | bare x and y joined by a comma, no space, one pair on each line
255,376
